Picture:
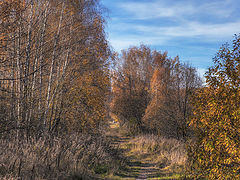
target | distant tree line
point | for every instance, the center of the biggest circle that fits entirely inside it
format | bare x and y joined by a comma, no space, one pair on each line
151,92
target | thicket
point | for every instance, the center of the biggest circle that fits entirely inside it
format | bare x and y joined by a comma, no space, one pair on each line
151,92
54,81
216,119
54,67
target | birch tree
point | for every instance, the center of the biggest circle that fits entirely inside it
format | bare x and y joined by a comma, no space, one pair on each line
43,45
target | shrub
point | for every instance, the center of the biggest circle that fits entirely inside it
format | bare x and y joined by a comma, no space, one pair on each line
215,154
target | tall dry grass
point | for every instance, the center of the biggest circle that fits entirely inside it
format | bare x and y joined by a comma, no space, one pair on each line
165,152
76,156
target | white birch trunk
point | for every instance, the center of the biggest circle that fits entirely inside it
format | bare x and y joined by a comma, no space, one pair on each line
52,65
27,69
42,41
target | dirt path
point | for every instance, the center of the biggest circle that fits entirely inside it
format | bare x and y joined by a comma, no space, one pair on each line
141,170
136,168
139,164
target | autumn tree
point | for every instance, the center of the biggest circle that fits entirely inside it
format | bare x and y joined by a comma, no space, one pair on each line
151,92
159,113
11,68
49,50
215,154
172,84
131,82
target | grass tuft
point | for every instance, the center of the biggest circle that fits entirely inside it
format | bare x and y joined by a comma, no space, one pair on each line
168,154
67,157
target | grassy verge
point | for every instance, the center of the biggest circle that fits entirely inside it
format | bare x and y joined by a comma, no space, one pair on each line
72,157
167,153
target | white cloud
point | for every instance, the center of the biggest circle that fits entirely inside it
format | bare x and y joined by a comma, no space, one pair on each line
123,43
218,8
201,73
191,29
148,10
120,42
132,33
154,35
208,23
161,8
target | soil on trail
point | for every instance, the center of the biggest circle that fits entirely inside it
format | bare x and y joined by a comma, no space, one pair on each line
136,167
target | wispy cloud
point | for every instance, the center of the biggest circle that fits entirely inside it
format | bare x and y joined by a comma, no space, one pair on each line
191,29
156,35
120,42
148,10
178,9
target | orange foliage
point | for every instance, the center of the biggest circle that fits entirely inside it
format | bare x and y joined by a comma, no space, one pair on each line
216,119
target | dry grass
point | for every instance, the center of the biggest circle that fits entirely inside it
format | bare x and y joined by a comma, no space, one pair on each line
71,157
167,153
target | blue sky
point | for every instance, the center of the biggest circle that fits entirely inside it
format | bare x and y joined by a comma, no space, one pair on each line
192,29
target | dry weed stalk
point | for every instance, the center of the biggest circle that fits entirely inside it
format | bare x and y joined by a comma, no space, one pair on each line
172,151
59,158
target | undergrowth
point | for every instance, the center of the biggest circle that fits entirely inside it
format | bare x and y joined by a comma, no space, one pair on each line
76,156
169,154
